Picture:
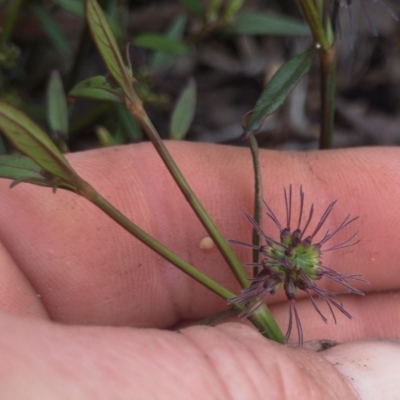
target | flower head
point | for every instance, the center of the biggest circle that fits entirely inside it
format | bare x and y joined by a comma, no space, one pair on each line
295,263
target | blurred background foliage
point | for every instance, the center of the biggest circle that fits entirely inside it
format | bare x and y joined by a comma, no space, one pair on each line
200,66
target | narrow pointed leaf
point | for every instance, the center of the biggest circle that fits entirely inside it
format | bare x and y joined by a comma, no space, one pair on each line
278,89
108,48
57,109
97,88
262,23
32,141
159,42
18,167
164,60
183,113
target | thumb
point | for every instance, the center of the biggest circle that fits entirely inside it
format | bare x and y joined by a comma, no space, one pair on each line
372,368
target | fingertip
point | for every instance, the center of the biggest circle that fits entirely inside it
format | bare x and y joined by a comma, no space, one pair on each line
371,368
241,356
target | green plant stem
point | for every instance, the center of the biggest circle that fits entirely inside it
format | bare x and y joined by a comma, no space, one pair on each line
103,37
324,38
94,197
257,199
192,199
320,5
314,21
265,323
328,94
262,318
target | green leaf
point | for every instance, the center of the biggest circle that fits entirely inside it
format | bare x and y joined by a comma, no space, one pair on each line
53,31
32,141
278,89
57,108
19,167
159,42
194,6
97,88
183,113
108,48
72,6
164,60
262,23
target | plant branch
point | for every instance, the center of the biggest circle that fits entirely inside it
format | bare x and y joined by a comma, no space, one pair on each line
257,199
314,22
90,194
192,199
328,94
262,319
316,15
265,323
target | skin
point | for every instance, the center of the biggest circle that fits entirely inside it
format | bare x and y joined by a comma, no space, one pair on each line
86,309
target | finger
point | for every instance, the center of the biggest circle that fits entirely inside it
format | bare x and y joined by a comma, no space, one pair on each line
370,367
88,270
228,362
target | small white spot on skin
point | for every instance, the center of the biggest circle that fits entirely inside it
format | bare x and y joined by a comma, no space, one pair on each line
206,243
317,46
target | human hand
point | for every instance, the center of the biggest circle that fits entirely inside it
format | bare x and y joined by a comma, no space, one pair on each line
65,265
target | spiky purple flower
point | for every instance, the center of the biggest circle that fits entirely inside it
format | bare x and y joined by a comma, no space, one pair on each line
294,262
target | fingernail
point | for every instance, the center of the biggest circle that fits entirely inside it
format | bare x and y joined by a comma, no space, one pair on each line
372,368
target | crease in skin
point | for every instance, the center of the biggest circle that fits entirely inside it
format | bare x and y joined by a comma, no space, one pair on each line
302,373
237,348
223,390
18,294
222,352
